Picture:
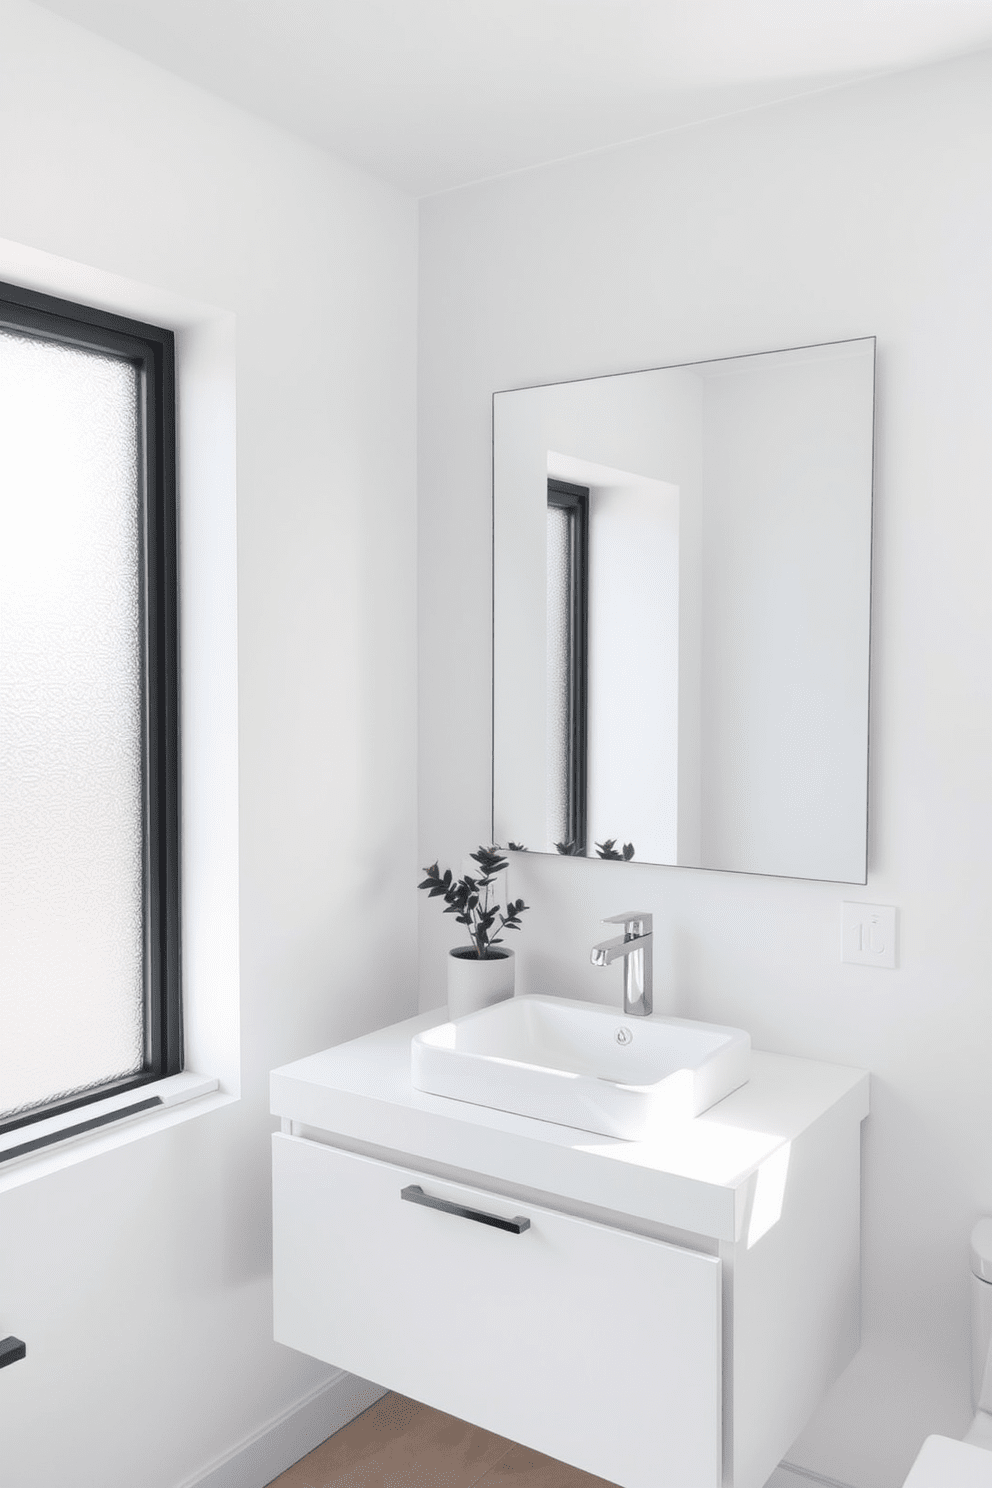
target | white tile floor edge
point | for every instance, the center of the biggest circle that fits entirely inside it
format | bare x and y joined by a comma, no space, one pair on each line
788,1476
289,1436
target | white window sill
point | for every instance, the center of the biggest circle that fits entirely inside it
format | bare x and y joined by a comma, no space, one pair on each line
181,1098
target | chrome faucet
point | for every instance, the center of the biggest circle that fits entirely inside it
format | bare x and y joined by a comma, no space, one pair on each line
634,945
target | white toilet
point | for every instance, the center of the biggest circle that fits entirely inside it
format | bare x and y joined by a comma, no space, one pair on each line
944,1463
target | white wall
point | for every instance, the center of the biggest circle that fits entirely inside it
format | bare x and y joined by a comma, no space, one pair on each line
866,210
140,1279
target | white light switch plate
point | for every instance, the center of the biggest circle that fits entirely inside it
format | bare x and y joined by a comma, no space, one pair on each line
869,934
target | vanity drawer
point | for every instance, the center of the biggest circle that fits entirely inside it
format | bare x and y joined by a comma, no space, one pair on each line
596,1346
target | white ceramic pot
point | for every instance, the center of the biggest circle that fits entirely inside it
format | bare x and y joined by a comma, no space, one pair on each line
475,983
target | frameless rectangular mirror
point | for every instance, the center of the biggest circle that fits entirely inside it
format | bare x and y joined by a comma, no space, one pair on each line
682,577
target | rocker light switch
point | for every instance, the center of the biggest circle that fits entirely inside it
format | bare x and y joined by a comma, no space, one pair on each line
869,934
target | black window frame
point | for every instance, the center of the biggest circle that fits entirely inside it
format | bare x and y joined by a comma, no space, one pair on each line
574,501
151,350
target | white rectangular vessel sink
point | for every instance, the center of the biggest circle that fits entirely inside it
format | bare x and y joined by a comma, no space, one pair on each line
581,1064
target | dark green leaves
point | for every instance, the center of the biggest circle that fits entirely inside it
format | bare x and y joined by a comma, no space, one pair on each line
467,898
514,910
489,859
608,851
435,882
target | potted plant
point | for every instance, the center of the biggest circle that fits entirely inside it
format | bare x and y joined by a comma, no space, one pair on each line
481,972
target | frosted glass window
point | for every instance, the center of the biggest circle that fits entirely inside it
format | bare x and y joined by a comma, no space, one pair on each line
71,737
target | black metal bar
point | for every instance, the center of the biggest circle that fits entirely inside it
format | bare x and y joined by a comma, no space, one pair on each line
574,501
72,1103
414,1194
65,320
80,1126
11,1349
163,1034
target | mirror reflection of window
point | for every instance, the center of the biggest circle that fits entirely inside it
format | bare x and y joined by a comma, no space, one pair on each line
727,613
568,584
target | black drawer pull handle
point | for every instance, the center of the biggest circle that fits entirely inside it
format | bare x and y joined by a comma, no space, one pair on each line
414,1194
11,1349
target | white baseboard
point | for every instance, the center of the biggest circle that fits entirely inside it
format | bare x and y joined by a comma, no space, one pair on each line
289,1436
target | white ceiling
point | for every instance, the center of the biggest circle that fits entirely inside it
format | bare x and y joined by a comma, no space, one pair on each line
431,94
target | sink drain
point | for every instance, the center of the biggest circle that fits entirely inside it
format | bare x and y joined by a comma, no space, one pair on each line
624,1036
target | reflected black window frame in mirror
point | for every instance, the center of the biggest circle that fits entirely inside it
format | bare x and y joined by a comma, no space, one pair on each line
570,578
150,350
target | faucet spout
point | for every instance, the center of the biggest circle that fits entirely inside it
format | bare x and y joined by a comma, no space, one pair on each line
635,947
609,951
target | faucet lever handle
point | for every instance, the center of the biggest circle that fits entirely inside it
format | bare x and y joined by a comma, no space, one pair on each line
634,921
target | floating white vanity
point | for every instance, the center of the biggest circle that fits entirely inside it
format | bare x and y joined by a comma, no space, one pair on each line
664,1313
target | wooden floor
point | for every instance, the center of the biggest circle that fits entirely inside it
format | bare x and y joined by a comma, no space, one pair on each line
399,1444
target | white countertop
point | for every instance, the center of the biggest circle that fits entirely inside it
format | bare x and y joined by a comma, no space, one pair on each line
691,1177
